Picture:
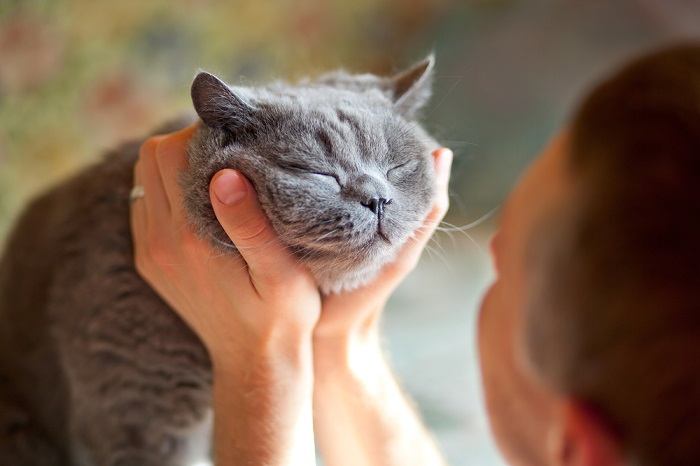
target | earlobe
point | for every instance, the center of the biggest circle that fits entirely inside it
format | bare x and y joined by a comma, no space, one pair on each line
558,445
583,438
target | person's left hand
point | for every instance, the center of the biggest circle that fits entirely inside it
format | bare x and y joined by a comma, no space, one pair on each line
232,302
255,312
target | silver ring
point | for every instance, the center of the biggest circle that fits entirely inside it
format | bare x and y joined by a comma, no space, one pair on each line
137,192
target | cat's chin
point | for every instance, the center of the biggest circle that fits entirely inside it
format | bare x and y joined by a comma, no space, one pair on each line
351,270
336,285
333,281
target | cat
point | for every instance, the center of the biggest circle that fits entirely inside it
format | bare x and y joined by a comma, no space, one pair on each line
95,369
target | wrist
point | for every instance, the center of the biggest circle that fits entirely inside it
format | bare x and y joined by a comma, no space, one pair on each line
274,353
351,353
344,324
263,401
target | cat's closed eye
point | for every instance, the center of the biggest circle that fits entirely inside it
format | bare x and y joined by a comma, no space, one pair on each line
397,172
327,177
308,171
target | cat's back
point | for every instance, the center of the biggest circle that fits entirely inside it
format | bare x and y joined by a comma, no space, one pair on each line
80,331
55,229
82,221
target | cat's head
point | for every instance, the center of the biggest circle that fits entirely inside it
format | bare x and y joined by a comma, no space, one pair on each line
341,168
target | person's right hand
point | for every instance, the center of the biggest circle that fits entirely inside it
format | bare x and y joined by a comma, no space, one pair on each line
361,416
353,315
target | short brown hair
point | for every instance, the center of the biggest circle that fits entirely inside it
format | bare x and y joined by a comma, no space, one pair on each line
614,318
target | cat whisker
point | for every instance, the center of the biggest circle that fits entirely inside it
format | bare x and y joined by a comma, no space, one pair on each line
441,257
454,85
476,222
222,243
308,253
430,248
315,226
457,142
431,240
331,232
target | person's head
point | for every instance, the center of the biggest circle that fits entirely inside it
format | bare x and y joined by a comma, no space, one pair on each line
590,335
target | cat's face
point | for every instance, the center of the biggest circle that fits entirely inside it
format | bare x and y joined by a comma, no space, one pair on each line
341,170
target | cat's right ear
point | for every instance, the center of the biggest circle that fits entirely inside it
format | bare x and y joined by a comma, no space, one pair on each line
411,88
218,105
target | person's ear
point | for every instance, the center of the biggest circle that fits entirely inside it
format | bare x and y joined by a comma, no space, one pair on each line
580,437
411,88
219,106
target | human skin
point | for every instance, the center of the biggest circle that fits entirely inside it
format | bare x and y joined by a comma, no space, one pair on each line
256,320
268,331
361,415
533,425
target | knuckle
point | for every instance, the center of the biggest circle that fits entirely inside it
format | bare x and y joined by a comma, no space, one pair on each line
442,207
253,230
439,209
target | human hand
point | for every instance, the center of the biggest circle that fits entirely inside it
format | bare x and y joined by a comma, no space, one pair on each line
353,315
236,304
361,415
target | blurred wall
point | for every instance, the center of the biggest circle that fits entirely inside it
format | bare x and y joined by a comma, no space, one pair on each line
77,76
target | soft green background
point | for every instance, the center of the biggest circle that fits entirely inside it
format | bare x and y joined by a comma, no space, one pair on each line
77,76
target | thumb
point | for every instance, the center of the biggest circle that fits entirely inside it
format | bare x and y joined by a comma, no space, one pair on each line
236,207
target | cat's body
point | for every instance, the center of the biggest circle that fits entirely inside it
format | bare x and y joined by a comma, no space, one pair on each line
84,340
95,369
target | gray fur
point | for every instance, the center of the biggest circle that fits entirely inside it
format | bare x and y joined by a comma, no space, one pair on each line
95,369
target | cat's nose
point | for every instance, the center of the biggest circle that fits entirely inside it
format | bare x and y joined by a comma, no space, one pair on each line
376,205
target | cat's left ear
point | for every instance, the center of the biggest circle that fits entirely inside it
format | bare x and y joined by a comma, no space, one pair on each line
411,88
220,106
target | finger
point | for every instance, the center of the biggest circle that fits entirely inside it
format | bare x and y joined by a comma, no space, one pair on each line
237,209
442,160
171,156
155,200
443,163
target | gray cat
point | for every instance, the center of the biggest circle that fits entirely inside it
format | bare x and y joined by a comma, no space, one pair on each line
95,369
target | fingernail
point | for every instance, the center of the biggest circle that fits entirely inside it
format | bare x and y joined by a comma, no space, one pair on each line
229,187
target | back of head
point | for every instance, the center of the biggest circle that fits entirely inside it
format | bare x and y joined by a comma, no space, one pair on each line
615,318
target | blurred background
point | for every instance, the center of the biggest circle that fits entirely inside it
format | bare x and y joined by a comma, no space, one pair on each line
79,76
